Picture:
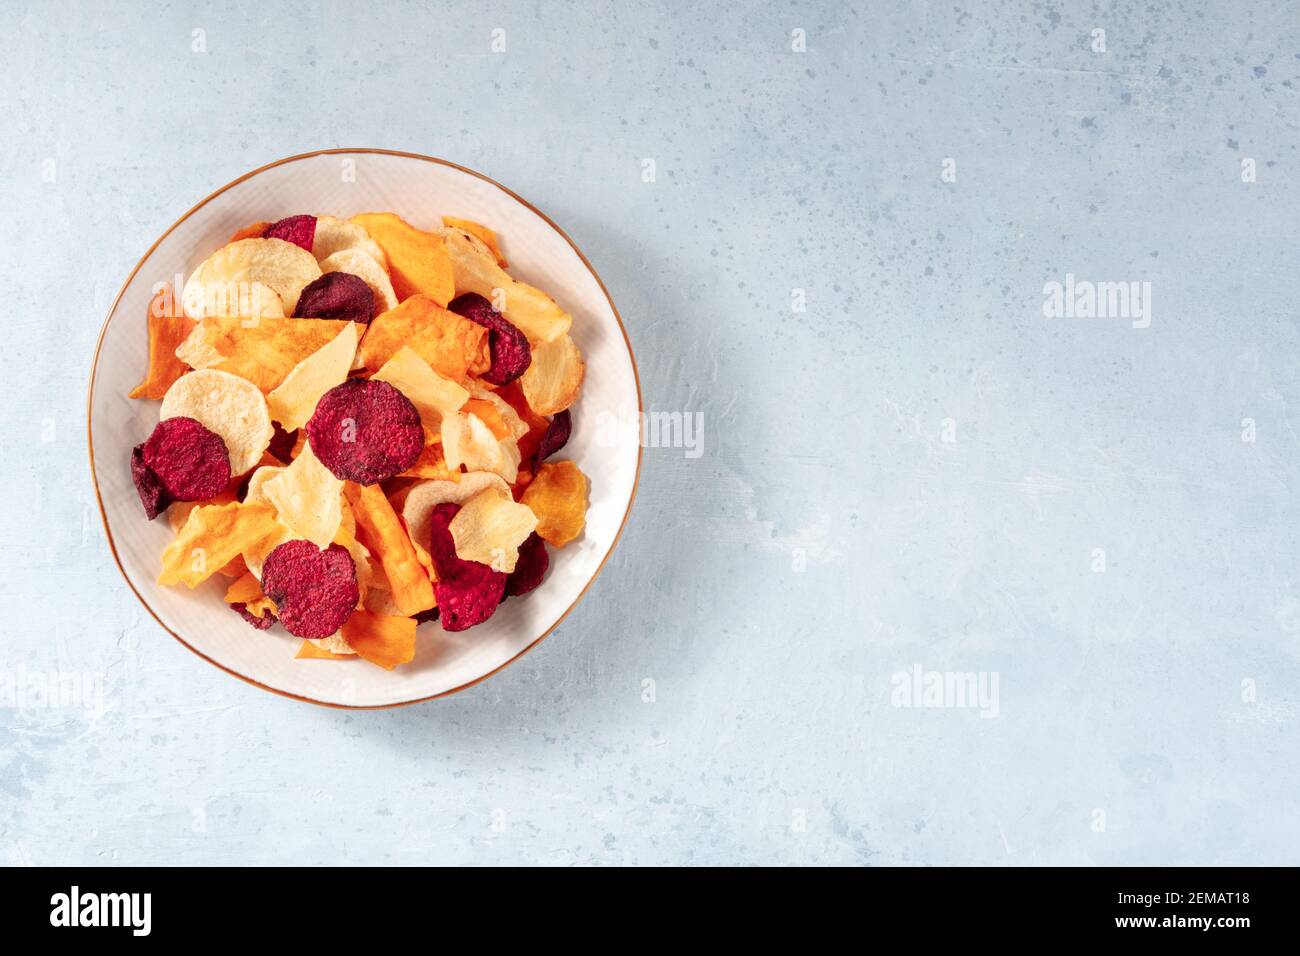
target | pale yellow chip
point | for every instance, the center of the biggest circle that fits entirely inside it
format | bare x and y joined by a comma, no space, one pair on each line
284,267
366,268
228,405
294,400
554,377
490,527
222,298
467,440
334,644
258,479
306,499
334,235
474,269
433,395
421,499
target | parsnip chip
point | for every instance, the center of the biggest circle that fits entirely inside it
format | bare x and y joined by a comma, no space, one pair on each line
228,405
312,650
558,496
417,260
212,537
468,441
293,400
166,333
334,645
264,353
258,479
421,499
530,310
381,639
433,395
554,378
334,235
306,499
451,344
366,268
490,527
283,266
227,299
380,530
480,232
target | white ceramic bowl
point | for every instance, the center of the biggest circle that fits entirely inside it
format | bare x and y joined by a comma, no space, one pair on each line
605,441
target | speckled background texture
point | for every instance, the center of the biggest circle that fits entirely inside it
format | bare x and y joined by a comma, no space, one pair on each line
907,468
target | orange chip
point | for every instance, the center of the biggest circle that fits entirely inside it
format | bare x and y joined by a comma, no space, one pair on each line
537,424
418,262
489,415
558,496
212,537
310,651
380,530
252,232
382,639
179,512
431,464
246,588
234,568
263,353
451,344
166,332
480,231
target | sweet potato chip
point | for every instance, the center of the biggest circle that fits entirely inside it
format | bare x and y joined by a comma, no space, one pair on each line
480,232
254,231
311,650
433,395
380,530
244,589
166,333
468,441
451,344
486,411
537,424
431,464
417,260
553,380
558,496
530,310
212,537
490,527
366,268
306,499
225,404
292,402
381,639
264,353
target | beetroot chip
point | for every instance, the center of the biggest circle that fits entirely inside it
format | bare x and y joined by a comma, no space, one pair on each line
530,568
300,230
336,295
365,431
261,623
508,347
189,461
467,592
152,494
554,438
313,590
282,443
423,617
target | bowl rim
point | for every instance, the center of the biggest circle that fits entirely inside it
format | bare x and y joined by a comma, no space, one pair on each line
90,441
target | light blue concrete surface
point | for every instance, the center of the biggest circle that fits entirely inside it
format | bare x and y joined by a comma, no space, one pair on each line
914,472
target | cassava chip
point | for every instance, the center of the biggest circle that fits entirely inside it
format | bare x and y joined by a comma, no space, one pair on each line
556,437
468,441
228,405
283,266
365,431
337,295
306,499
334,235
292,402
417,260
530,310
383,639
263,354
300,230
152,494
452,344
480,232
530,568
189,461
507,346
467,592
553,379
490,527
211,538
364,267
433,395
166,333
558,496
314,590
382,532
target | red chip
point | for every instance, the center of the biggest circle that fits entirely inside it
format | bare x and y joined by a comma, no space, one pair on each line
467,592
530,568
336,295
508,347
300,230
152,494
365,431
313,590
282,443
190,462
554,438
261,623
